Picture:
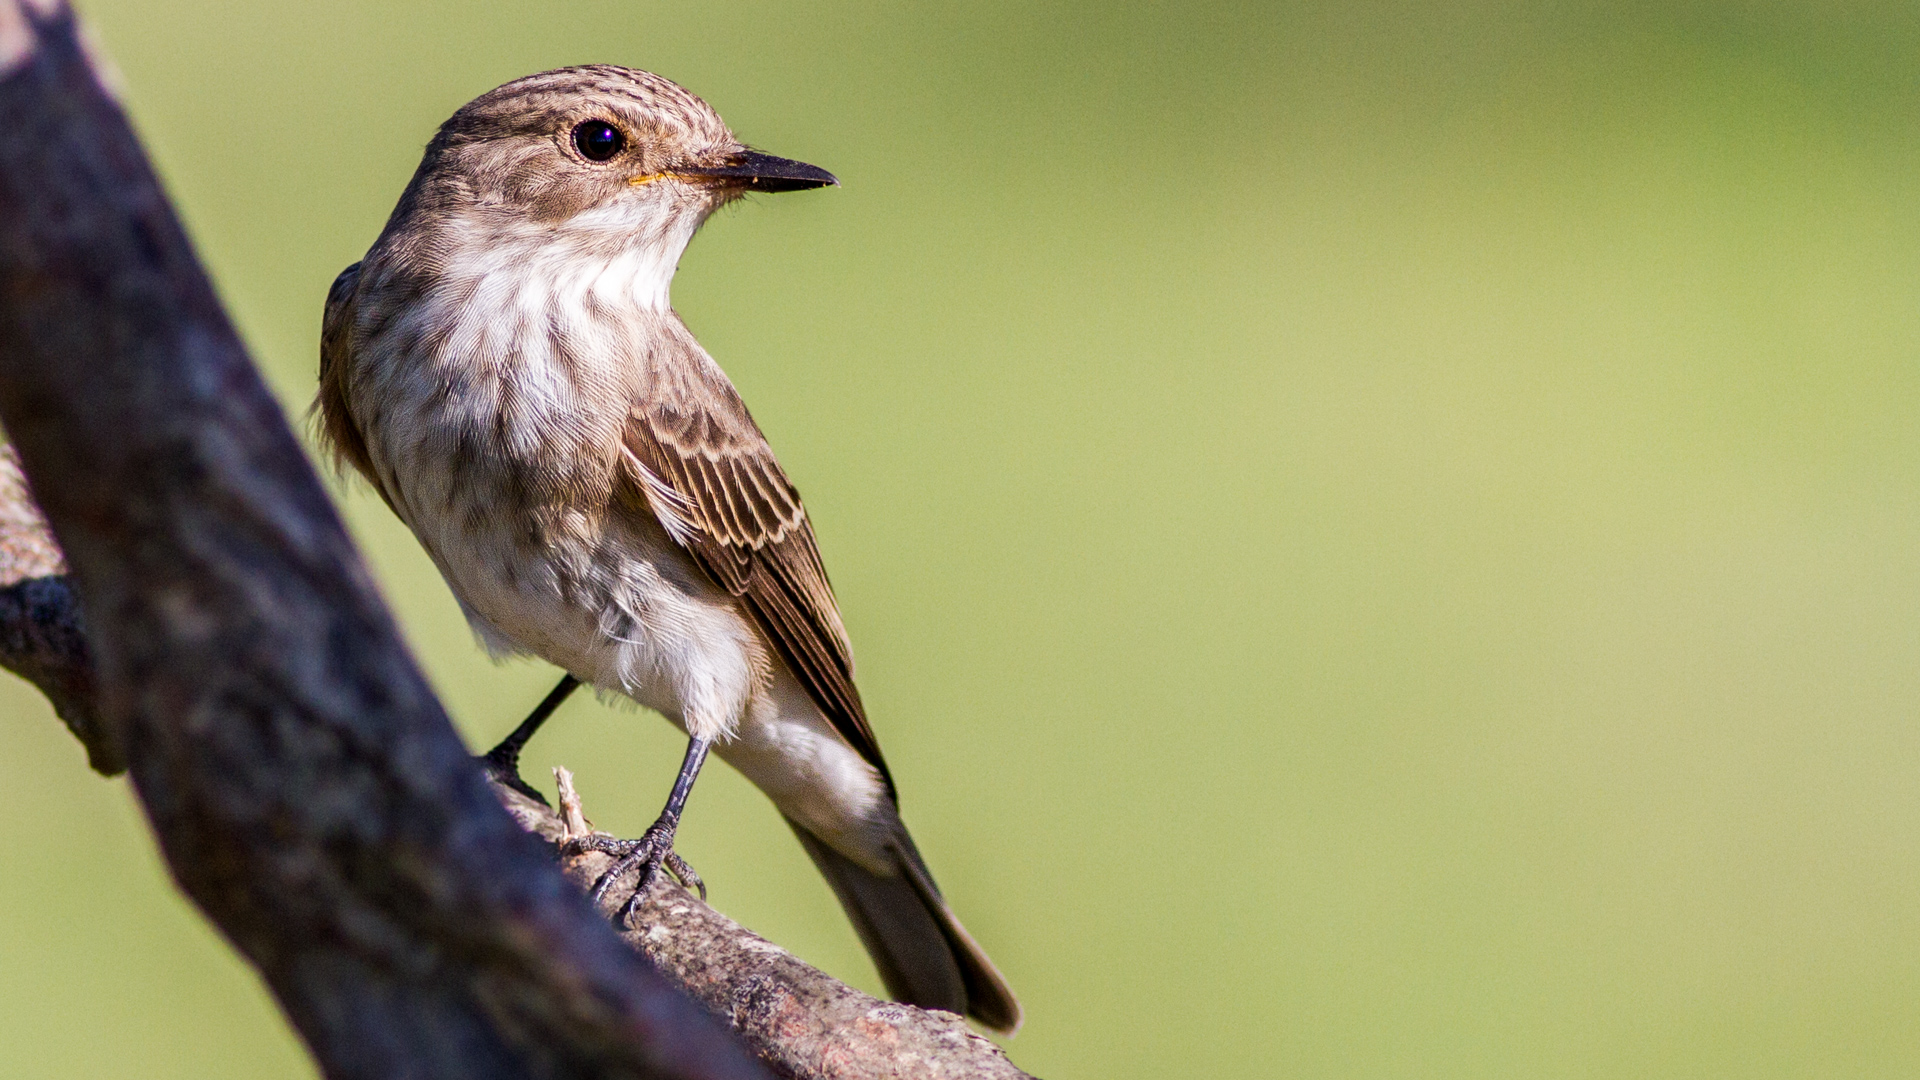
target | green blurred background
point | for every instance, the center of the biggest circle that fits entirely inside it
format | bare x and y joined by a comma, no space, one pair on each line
1383,541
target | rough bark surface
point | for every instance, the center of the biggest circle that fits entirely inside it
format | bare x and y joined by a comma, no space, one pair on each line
306,789
800,1020
41,638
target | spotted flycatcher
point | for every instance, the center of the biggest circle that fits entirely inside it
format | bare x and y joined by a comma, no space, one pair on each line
504,367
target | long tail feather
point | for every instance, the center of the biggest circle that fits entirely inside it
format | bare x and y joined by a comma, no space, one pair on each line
925,957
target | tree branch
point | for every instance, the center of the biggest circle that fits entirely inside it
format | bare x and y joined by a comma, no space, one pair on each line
306,789
41,638
800,1020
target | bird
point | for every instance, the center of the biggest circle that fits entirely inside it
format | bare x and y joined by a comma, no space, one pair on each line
506,370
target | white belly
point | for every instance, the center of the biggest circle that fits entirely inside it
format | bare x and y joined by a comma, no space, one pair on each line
626,612
675,643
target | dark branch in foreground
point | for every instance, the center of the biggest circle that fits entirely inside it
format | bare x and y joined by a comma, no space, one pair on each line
307,791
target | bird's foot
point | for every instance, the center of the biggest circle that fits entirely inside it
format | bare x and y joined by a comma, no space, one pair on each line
502,766
651,852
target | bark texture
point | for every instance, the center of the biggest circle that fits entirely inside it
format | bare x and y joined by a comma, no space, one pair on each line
306,789
800,1020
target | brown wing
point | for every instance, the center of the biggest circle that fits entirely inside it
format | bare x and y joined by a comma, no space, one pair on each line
336,343
707,473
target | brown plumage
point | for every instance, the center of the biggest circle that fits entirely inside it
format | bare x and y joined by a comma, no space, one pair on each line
505,369
746,526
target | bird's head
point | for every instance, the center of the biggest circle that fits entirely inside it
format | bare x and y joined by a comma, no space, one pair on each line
601,156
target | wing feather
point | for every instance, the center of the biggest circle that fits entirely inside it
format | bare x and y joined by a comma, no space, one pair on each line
706,472
337,429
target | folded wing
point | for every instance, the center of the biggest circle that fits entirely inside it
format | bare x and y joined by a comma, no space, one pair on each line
705,470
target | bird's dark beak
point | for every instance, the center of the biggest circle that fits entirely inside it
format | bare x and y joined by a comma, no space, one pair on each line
764,172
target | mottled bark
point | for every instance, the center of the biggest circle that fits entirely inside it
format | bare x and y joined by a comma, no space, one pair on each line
305,787
801,1021
41,638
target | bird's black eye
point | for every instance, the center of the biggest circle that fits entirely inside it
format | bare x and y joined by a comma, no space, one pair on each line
598,140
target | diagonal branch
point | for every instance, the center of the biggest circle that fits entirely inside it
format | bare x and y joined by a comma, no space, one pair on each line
306,789
800,1020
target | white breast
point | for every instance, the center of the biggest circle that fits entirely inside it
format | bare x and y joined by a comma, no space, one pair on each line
493,411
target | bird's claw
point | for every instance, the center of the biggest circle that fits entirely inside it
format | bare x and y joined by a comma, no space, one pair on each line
650,852
683,873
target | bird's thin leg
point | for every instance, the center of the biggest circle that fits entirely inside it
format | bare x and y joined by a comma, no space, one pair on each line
503,761
654,849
